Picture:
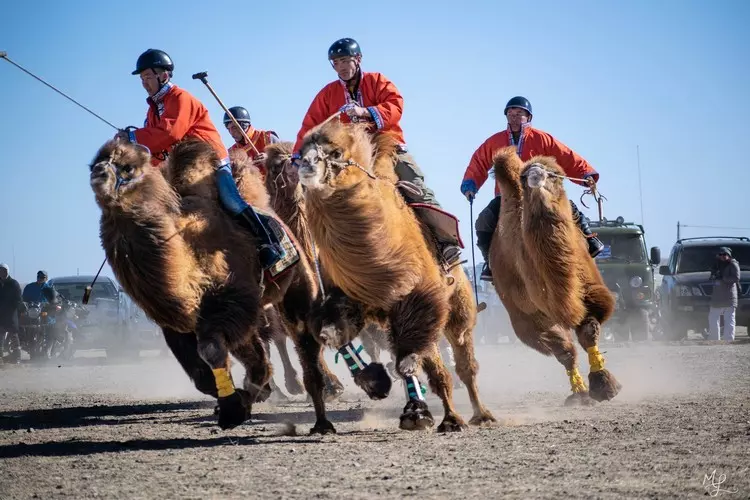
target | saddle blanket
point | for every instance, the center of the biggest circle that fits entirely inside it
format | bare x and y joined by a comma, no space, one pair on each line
445,224
290,254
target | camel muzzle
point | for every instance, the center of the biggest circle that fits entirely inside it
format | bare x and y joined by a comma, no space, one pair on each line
536,177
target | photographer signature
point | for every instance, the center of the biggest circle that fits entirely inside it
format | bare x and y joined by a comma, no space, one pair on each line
712,484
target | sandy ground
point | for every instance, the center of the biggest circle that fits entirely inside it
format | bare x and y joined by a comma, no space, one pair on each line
92,428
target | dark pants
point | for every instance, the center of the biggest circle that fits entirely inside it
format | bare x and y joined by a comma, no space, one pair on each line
407,170
10,325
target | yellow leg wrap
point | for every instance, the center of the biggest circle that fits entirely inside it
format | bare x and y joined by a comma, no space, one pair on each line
224,382
596,360
576,381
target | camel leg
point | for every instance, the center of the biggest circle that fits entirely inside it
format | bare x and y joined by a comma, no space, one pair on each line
184,346
603,385
311,357
291,380
467,369
369,344
441,384
226,318
258,369
416,322
555,341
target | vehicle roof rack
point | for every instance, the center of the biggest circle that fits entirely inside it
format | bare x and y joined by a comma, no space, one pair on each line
739,238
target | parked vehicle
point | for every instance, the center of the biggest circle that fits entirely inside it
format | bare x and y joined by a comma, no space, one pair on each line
686,288
628,271
114,322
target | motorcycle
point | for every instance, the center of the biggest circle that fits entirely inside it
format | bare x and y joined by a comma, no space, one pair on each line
32,324
63,334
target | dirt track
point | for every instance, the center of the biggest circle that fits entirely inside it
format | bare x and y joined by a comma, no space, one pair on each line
140,431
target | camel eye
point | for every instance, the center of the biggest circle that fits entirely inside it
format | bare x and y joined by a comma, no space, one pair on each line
127,169
336,154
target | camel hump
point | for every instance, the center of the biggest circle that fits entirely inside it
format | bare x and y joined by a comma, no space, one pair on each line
506,165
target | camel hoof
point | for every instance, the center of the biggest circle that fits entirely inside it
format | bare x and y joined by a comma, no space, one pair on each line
416,417
579,399
294,386
263,394
483,418
375,381
323,427
232,411
332,390
603,386
452,423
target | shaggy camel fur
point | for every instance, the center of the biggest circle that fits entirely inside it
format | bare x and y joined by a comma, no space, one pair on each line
304,289
545,277
191,267
383,265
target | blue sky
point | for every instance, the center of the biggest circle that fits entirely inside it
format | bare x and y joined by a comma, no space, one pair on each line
671,77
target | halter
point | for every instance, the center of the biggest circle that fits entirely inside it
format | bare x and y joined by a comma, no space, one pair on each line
592,190
119,180
342,164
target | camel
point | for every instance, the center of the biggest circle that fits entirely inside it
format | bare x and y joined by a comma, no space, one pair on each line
383,265
193,269
545,277
293,315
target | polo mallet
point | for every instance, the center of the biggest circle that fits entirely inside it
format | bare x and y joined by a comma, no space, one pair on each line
4,55
203,76
481,306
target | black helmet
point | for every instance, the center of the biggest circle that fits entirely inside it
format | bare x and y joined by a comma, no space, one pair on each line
41,274
519,102
344,47
152,59
240,114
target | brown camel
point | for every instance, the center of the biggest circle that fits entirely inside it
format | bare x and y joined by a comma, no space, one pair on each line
545,277
192,268
383,264
304,290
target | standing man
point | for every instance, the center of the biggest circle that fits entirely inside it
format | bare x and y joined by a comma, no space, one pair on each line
529,142
259,138
173,115
726,276
10,304
373,99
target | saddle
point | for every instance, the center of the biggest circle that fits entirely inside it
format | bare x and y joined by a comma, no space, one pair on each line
290,255
443,224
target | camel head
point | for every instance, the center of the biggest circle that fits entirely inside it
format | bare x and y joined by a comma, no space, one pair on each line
337,320
542,178
282,178
117,169
335,155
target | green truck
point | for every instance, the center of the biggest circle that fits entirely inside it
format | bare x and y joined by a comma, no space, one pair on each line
628,271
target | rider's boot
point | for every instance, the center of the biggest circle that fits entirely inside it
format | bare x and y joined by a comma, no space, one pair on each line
594,243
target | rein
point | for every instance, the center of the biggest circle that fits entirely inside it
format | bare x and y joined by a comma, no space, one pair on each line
591,191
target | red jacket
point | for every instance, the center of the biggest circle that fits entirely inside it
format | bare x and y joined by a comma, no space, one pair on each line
376,93
173,115
260,139
535,142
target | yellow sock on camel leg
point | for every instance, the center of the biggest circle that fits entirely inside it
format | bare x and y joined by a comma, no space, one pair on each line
576,381
224,383
596,360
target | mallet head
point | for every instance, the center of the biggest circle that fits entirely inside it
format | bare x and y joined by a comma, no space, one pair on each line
200,76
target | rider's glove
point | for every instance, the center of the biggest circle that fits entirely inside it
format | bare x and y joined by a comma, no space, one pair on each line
469,189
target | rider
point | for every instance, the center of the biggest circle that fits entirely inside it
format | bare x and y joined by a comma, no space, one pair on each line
41,290
173,115
529,142
259,138
11,303
370,97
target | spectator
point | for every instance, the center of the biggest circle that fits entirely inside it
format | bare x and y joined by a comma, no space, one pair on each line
726,276
40,291
10,304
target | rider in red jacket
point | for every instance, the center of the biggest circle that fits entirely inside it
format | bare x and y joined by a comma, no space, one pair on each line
173,115
260,139
372,98
529,142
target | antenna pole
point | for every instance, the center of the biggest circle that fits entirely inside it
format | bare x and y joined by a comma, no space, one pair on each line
640,184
